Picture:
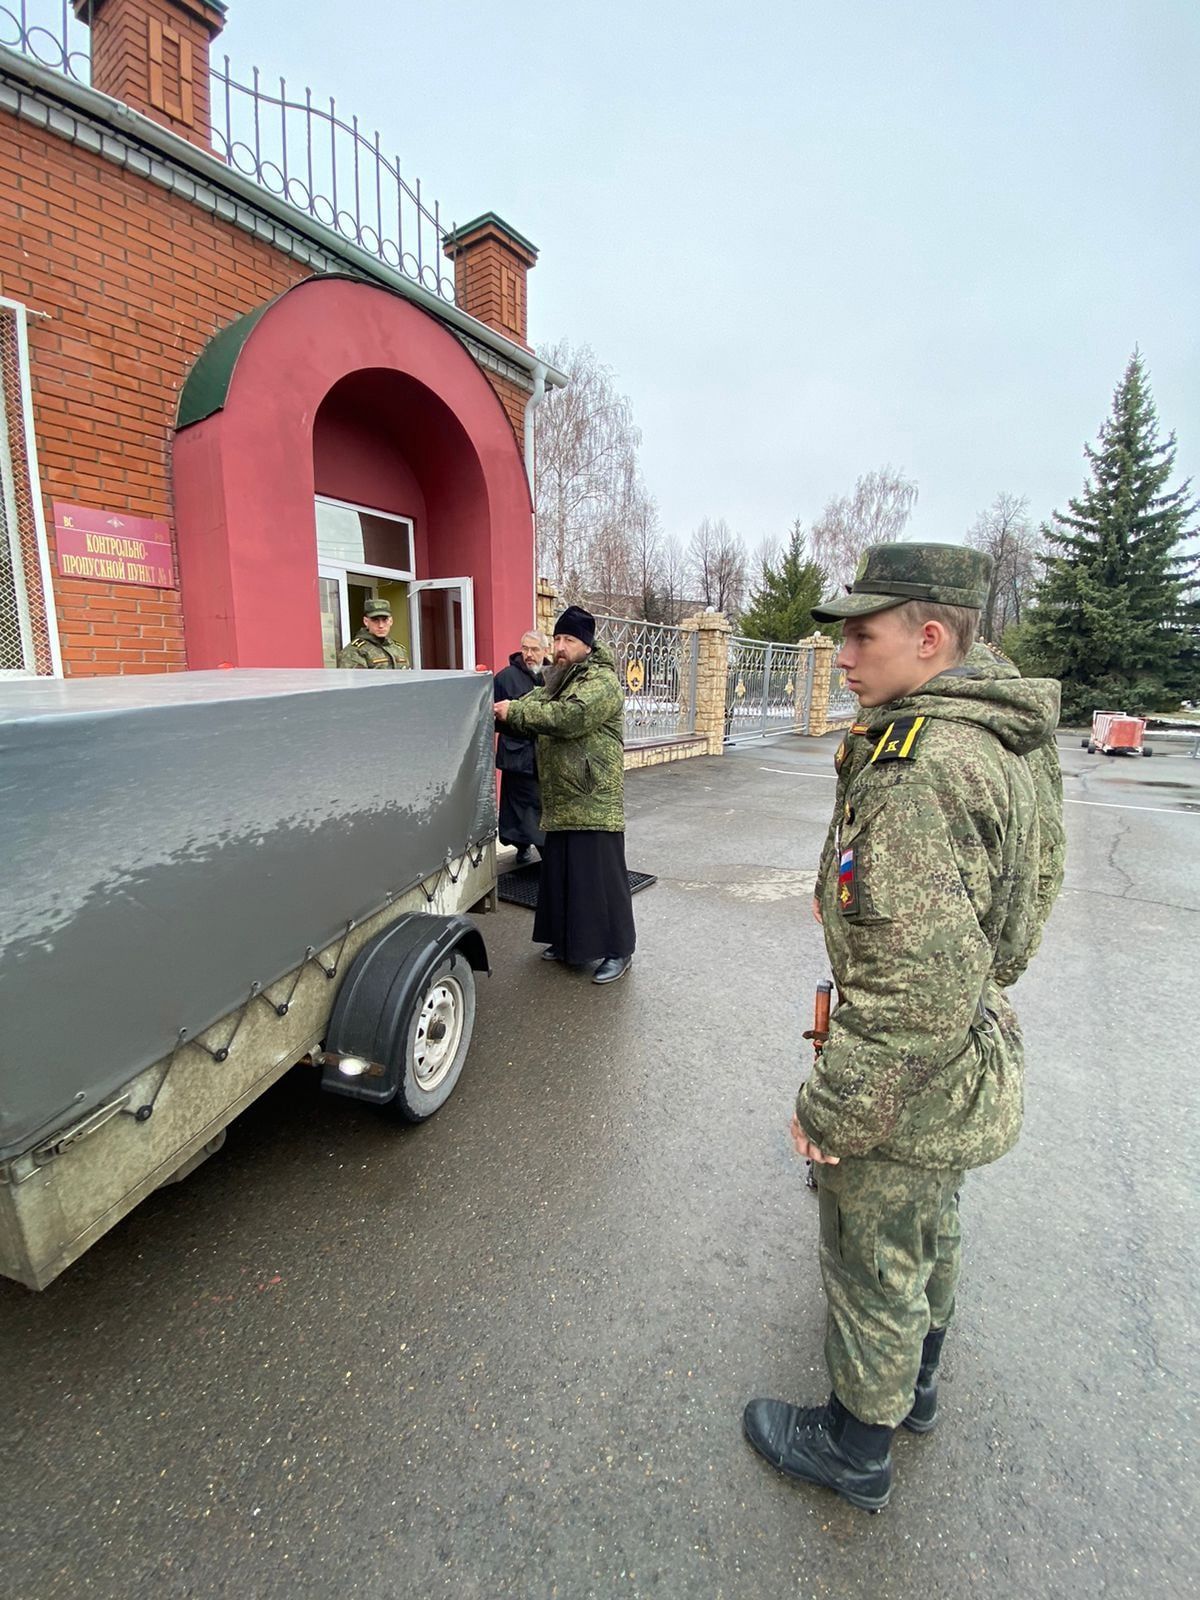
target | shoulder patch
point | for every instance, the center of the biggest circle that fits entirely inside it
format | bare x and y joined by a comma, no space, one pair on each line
899,741
861,727
847,888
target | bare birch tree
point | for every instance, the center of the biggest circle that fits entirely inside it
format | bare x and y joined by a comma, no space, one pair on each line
875,513
717,566
1006,531
586,445
646,557
612,566
673,579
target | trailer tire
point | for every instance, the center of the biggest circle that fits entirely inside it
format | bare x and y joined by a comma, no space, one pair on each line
1146,750
1091,748
436,1040
1085,744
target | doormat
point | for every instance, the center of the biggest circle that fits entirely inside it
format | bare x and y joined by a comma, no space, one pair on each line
519,886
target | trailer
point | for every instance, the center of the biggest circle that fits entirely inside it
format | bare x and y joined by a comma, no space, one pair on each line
1116,733
212,877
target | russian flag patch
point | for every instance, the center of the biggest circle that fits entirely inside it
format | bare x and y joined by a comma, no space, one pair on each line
847,890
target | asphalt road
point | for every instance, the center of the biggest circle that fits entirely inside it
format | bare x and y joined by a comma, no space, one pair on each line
506,1354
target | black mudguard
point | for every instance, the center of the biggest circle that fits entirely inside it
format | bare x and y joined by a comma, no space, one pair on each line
371,1013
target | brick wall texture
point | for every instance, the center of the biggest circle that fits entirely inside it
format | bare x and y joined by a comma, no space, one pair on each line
133,281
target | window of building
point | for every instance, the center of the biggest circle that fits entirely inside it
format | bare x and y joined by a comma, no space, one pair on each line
362,554
28,633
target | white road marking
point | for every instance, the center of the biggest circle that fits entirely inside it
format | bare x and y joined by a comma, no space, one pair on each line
1111,805
786,772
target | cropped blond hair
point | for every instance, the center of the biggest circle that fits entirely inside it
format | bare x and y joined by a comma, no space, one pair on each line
960,622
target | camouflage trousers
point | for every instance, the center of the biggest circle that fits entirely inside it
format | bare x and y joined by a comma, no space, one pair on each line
890,1252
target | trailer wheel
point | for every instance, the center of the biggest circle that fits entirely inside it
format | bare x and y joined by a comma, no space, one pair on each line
1085,744
1146,750
1091,748
436,1040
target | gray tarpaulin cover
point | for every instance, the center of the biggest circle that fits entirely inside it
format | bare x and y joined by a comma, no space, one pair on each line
169,840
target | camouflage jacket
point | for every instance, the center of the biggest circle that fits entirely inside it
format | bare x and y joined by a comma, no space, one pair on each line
1045,770
929,891
579,724
364,650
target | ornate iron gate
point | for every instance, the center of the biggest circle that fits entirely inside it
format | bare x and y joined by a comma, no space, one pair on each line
657,668
768,689
843,702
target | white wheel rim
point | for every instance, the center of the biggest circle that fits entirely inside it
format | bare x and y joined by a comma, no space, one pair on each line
439,1032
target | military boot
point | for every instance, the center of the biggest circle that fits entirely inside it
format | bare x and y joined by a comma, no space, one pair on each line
826,1445
923,1415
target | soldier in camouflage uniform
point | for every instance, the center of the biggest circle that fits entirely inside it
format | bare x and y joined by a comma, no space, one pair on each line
930,900
372,647
584,909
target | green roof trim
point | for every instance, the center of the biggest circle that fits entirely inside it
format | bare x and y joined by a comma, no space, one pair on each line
489,219
206,386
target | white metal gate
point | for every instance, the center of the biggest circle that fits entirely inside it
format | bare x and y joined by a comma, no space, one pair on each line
656,664
768,689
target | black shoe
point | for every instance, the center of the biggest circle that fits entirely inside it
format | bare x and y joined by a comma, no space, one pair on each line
612,968
923,1415
550,954
825,1445
524,854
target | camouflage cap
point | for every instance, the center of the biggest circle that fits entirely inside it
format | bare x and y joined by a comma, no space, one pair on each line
377,608
890,574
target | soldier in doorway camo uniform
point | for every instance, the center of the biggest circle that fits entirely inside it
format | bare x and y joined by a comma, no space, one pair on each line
373,647
932,889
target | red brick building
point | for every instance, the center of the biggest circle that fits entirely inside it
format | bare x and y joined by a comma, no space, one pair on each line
235,404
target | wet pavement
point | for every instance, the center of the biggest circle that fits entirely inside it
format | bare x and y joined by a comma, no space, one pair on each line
506,1354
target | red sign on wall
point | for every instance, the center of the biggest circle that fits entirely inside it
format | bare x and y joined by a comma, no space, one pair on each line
113,548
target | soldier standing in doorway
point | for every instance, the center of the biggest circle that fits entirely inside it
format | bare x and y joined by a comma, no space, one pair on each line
373,646
932,898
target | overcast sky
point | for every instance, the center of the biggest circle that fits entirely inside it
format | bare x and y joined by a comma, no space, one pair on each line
812,239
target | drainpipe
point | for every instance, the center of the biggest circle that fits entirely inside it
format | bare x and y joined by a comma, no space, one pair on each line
531,405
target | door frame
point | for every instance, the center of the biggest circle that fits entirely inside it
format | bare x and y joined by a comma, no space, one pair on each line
467,587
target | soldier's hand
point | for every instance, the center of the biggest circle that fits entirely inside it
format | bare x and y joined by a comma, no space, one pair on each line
501,710
804,1146
817,908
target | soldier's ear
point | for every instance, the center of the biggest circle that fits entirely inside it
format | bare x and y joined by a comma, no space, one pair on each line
934,635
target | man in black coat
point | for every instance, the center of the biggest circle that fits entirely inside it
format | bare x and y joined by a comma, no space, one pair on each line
520,799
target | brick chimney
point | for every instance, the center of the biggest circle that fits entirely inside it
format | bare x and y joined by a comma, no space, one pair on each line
153,56
491,264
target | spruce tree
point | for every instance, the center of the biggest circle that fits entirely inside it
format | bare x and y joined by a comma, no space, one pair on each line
1115,615
783,595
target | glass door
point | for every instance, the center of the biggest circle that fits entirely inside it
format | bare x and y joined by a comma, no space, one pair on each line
441,615
344,595
335,614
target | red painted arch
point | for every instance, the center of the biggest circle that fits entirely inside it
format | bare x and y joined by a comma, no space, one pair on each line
244,478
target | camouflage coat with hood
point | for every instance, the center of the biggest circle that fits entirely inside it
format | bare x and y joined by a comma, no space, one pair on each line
929,893
579,725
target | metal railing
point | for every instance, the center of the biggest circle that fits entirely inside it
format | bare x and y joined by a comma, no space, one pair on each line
327,167
49,33
768,689
657,666
319,163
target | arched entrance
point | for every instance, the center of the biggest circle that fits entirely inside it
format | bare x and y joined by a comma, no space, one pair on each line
341,394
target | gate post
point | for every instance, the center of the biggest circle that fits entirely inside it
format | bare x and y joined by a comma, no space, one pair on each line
822,680
546,607
712,632
804,712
